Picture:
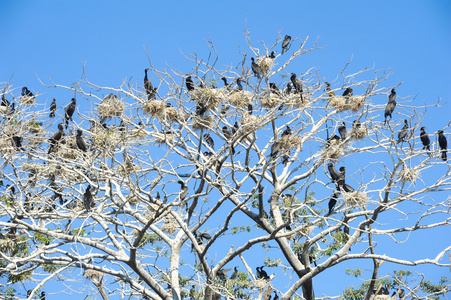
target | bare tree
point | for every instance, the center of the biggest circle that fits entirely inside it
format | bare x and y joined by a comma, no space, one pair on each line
170,196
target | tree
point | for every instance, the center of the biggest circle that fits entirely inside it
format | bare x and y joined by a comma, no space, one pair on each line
175,186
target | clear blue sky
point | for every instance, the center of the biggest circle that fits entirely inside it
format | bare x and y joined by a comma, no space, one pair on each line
55,38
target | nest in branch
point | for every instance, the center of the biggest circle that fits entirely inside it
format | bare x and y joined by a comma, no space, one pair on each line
333,150
7,245
35,127
202,122
208,96
154,107
125,169
93,274
164,138
27,99
250,123
138,133
261,283
382,297
133,200
170,225
355,199
169,113
6,143
110,106
358,133
288,142
338,102
288,200
356,103
270,100
409,174
295,100
104,139
265,64
240,99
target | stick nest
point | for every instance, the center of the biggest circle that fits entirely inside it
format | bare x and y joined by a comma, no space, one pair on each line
270,100
104,139
261,283
288,142
202,122
93,274
170,226
163,138
154,107
208,96
333,151
354,103
35,127
169,113
355,199
265,64
409,174
111,106
27,100
250,123
240,99
359,133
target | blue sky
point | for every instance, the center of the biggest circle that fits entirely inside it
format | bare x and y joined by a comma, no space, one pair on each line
56,38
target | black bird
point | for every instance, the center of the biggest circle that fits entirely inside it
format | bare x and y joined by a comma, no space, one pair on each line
276,297
286,43
342,130
249,108
287,131
5,102
87,199
443,143
336,177
226,84
256,68
346,229
209,140
28,206
69,111
55,188
274,89
183,190
288,89
201,108
329,90
273,55
56,138
263,274
226,132
235,272
275,148
348,92
297,84
333,139
235,127
402,293
259,274
332,202
425,139
26,92
42,296
390,105
17,143
356,124
52,108
403,133
189,83
238,83
150,90
81,144
205,235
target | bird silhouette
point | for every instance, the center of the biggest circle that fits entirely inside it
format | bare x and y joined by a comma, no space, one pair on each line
69,111
81,144
332,202
286,43
150,90
342,130
390,106
209,140
297,84
443,143
348,92
189,83
52,108
403,133
256,68
424,137
53,141
87,199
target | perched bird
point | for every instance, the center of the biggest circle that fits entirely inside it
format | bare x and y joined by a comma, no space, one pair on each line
52,108
87,199
226,132
342,130
235,127
390,105
26,92
287,131
273,55
17,143
53,141
256,68
69,111
275,148
238,83
424,137
249,108
329,90
189,83
356,124
288,89
183,190
150,90
276,297
263,274
274,89
403,133
55,188
42,296
201,108
402,293
209,140
297,84
332,202
333,139
226,84
336,177
286,43
348,92
205,235
443,143
234,274
81,144
5,103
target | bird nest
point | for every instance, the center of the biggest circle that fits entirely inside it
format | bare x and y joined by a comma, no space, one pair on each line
337,102
208,96
355,199
240,98
261,283
104,139
68,152
154,107
333,151
163,138
111,106
409,174
200,122
295,100
133,200
250,123
169,113
35,127
7,245
288,142
270,100
27,99
6,143
358,133
265,64
126,169
138,133
170,226
93,274
356,103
